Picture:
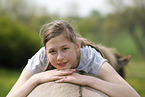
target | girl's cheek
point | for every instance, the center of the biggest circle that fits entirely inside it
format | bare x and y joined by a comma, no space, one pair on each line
50,58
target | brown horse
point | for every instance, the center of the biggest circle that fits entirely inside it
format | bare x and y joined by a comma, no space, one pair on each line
52,89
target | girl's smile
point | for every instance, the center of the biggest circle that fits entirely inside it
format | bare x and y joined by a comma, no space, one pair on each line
62,53
62,64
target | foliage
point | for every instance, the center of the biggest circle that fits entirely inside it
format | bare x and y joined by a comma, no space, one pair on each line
17,43
90,27
130,19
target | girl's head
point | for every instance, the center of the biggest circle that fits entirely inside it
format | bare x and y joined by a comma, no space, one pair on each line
59,40
56,28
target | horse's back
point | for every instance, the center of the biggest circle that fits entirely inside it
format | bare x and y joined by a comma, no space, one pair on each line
52,89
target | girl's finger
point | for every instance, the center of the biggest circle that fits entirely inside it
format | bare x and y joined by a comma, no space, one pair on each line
65,79
64,72
67,70
61,80
55,78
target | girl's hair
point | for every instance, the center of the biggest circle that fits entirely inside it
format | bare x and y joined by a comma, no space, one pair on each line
56,28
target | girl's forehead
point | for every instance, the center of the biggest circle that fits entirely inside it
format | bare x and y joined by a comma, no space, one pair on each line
58,41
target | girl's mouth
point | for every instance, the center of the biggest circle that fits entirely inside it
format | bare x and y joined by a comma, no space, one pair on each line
62,64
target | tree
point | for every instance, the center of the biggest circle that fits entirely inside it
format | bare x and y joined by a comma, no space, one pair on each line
130,18
17,43
90,27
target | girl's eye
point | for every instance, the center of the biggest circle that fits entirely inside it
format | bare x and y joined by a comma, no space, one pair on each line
64,49
52,52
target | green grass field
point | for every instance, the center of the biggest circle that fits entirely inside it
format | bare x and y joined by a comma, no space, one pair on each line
7,80
135,76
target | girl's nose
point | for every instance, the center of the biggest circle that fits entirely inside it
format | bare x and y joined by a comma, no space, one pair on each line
60,56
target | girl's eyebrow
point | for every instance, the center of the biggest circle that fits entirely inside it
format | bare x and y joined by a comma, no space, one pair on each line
50,49
64,45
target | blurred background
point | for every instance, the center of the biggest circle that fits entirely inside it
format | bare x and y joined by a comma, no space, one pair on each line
114,23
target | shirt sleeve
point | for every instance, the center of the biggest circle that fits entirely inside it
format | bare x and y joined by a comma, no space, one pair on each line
38,62
91,60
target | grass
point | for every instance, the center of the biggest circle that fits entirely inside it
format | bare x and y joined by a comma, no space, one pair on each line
7,80
135,76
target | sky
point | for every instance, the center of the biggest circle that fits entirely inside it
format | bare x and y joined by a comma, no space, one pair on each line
83,8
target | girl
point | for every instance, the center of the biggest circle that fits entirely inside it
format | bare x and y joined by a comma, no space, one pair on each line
61,56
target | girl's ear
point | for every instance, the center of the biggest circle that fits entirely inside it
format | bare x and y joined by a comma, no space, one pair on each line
78,46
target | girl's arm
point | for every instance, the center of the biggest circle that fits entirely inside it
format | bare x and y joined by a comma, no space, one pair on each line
112,84
26,82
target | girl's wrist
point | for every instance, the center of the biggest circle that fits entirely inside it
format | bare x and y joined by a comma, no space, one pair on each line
35,79
90,81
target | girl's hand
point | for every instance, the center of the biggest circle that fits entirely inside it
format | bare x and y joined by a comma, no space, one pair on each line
75,78
52,75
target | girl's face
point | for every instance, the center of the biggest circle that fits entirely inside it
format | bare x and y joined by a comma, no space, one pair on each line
62,53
